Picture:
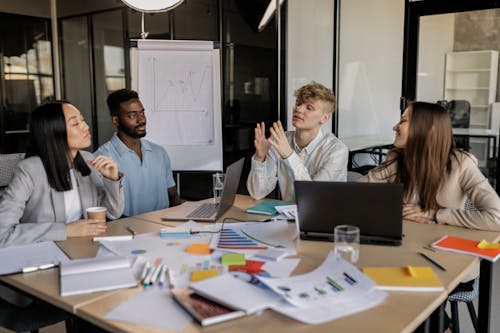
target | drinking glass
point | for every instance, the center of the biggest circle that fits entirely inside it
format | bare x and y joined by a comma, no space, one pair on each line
218,185
346,238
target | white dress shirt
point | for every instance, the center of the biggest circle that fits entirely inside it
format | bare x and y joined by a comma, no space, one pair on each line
323,159
72,203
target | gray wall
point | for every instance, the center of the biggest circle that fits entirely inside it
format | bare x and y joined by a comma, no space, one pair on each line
38,8
78,7
478,30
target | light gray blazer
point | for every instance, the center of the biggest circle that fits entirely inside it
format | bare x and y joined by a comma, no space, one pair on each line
32,211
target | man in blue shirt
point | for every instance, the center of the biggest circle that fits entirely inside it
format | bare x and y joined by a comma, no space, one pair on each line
149,184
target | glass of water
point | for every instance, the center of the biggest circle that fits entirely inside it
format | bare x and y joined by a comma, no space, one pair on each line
218,184
346,238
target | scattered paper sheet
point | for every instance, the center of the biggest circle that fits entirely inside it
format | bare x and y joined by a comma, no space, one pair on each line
250,237
325,312
16,258
288,212
282,268
334,289
162,310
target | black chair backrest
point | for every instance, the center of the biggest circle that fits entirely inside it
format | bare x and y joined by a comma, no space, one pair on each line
459,112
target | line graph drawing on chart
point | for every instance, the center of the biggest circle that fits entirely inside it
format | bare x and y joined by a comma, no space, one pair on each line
186,86
182,96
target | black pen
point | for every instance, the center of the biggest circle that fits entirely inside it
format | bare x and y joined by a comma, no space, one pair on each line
432,261
132,231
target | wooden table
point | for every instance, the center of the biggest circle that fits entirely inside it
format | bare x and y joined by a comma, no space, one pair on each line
400,312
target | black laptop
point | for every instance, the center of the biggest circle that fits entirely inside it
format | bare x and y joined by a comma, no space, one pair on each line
376,208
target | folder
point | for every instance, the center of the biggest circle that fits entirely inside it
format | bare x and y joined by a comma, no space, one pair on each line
410,278
466,246
266,208
84,276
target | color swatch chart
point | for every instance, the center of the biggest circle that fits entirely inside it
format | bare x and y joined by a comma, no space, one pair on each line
232,239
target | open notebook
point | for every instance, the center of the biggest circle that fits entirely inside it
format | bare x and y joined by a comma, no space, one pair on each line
204,211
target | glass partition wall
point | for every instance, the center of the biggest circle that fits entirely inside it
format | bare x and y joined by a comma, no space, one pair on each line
26,77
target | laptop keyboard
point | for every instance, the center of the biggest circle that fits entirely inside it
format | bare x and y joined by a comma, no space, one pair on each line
206,210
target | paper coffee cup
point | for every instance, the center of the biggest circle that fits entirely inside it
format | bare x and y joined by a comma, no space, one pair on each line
96,213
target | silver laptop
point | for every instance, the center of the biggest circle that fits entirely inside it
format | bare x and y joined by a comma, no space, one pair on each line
376,208
207,211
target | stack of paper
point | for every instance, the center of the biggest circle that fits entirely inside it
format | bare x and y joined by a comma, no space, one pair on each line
95,274
409,278
467,246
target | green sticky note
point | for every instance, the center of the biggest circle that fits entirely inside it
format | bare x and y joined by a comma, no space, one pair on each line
233,259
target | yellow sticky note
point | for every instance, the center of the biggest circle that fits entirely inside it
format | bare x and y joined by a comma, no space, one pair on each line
411,271
203,274
483,245
198,249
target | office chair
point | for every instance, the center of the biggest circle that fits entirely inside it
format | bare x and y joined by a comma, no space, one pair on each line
459,111
7,164
465,292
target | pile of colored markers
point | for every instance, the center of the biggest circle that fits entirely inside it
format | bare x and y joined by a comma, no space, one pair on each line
154,273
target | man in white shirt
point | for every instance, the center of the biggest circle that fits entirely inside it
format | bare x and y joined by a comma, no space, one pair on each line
304,154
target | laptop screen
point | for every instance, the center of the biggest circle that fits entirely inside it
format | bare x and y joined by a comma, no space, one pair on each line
376,208
233,174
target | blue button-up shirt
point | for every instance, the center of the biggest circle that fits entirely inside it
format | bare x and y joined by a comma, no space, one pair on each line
146,182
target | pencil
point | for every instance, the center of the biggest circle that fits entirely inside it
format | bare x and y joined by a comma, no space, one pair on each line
432,261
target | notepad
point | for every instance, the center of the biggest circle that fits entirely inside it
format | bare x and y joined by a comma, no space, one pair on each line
203,274
250,267
205,311
84,276
466,246
410,278
233,259
198,249
265,208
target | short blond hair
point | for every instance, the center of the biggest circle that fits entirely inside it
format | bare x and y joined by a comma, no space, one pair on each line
316,91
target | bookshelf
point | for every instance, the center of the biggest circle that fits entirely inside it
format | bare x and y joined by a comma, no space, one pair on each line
472,76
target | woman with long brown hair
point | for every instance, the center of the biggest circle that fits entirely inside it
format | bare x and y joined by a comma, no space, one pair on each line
438,179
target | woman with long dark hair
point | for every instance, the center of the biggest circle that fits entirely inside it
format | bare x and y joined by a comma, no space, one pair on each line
438,179
57,181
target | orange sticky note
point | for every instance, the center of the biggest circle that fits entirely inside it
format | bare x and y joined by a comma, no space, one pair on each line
203,274
198,249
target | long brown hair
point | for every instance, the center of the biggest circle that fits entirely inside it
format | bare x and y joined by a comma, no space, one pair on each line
422,164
